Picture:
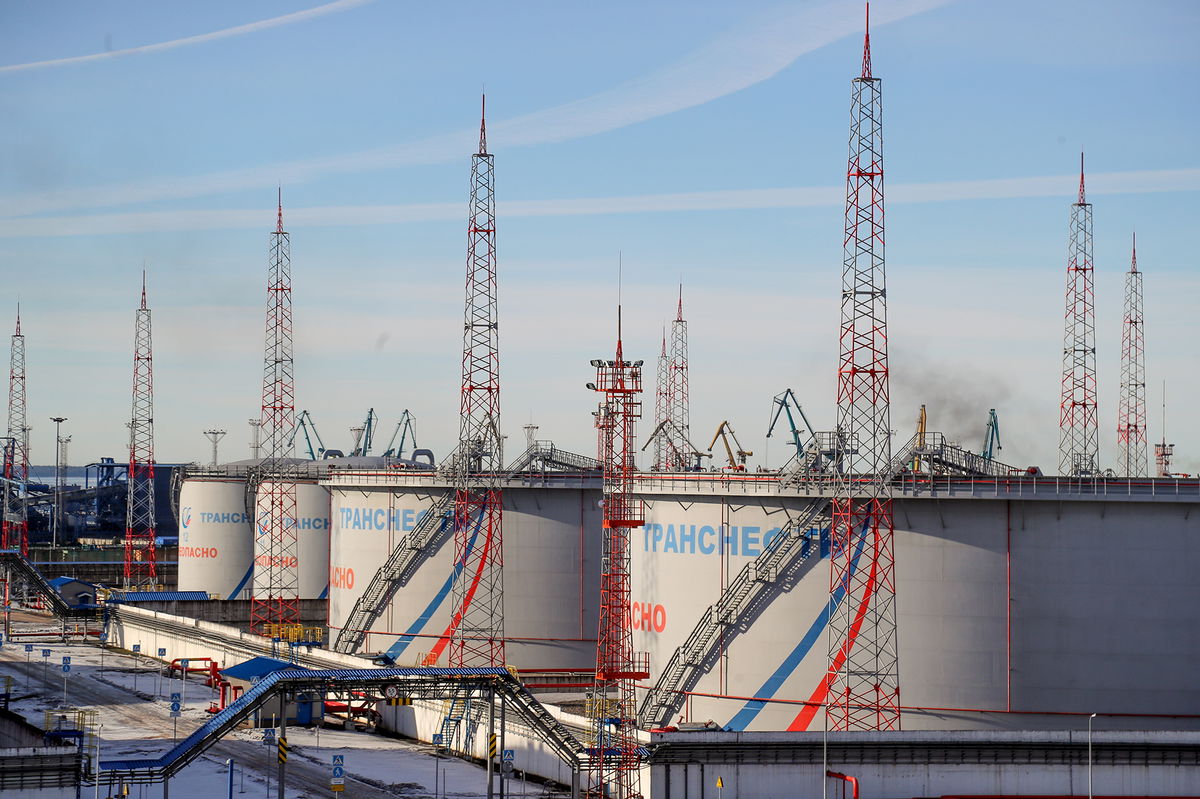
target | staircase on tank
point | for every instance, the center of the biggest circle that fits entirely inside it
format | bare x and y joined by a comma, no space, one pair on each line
407,555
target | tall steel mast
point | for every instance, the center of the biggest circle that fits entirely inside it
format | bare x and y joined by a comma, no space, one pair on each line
141,570
863,679
275,601
1133,457
478,637
1078,421
16,462
612,758
678,400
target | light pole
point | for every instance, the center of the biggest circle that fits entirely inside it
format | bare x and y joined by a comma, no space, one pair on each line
229,763
58,420
1090,754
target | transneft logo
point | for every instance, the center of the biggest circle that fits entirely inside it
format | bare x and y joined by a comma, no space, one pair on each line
688,539
382,519
185,516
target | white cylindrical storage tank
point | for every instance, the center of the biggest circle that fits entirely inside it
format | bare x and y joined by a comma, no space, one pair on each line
216,543
303,568
551,568
312,522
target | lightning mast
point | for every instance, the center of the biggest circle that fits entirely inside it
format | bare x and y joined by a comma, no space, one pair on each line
863,679
678,402
275,602
16,464
1078,422
478,638
612,756
1133,457
662,406
141,570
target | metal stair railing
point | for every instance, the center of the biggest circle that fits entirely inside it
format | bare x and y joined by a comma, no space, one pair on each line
15,563
548,455
960,461
792,546
430,682
411,550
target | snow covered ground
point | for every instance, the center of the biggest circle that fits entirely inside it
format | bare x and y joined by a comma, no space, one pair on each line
133,700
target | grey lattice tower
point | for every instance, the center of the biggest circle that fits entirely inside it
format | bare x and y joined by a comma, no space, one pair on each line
1132,453
1078,421
679,401
141,570
863,680
16,462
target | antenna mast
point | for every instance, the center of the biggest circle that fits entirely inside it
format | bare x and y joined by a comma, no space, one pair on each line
275,601
863,679
1078,422
141,570
16,461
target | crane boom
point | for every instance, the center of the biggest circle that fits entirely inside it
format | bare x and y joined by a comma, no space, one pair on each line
305,424
406,430
738,463
991,435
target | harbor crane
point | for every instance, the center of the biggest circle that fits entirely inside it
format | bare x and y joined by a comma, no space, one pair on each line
365,434
306,425
991,435
782,405
724,433
406,431
670,433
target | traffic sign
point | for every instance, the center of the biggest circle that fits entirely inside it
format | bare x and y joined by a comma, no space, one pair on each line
509,754
720,782
438,738
28,647
162,651
66,667
45,653
269,736
66,661
137,648
176,696
506,766
391,691
175,706
338,771
339,760
175,714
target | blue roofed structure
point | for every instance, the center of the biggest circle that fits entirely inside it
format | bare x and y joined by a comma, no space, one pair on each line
256,668
302,708
158,596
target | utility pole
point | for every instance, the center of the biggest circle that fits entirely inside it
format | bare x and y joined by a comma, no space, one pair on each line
54,517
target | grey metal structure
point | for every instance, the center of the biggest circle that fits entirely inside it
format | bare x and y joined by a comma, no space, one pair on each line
1078,420
1132,455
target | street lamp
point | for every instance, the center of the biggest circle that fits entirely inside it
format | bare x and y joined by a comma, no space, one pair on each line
58,420
1090,754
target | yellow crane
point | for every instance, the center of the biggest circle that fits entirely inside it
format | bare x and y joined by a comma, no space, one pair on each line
916,464
738,463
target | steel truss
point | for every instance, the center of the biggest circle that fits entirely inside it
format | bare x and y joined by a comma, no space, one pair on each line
1132,454
1078,421
141,569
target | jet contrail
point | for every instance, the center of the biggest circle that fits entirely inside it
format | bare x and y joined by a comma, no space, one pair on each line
755,52
239,30
1099,183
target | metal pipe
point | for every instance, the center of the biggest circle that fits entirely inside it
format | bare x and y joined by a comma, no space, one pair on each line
852,780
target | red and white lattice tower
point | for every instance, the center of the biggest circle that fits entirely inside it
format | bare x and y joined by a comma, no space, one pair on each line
478,635
275,601
679,404
16,460
141,569
662,406
1132,454
863,678
612,757
1078,421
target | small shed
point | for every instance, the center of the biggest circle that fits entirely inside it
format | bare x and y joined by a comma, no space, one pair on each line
75,592
303,708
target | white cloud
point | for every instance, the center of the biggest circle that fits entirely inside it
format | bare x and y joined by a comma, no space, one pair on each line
225,33
729,64
1134,182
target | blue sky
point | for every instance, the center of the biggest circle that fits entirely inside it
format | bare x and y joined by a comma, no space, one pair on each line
704,140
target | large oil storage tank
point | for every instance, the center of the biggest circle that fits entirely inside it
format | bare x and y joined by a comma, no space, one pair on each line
309,566
216,542
1022,604
551,566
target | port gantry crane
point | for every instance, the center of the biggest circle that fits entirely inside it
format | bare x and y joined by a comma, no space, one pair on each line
668,434
736,463
365,434
406,430
782,405
991,436
306,425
